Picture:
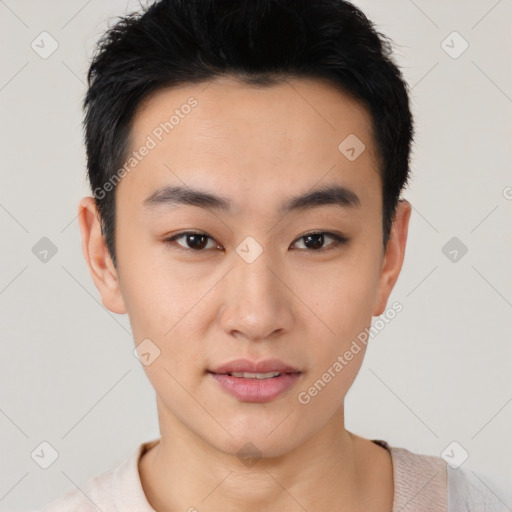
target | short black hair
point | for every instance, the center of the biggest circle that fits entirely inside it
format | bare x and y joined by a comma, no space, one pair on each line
260,43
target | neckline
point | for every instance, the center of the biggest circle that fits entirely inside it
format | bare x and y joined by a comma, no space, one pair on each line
382,443
128,476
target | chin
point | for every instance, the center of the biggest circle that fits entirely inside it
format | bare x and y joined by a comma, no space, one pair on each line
250,444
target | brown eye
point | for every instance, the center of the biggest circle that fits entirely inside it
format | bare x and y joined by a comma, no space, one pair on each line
193,241
314,241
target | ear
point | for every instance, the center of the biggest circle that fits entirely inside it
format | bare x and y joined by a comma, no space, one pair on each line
98,258
394,256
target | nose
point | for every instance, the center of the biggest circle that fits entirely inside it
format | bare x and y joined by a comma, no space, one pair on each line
257,301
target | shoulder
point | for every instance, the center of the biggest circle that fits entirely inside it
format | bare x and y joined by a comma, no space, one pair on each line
89,497
468,491
420,481
427,483
101,492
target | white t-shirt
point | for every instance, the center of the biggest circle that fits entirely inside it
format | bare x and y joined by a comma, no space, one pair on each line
422,483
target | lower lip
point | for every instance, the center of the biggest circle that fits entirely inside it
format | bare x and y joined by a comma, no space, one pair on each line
257,390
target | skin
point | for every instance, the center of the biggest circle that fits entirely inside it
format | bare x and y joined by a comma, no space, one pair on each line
258,147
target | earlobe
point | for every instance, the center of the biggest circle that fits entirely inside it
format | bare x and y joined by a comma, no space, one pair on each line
97,257
394,256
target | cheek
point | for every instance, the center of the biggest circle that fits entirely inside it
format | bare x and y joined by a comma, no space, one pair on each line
170,319
156,295
342,299
168,310
343,302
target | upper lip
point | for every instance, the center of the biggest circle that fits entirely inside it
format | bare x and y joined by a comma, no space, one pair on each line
245,365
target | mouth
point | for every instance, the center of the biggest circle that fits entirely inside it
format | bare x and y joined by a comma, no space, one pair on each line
245,368
255,382
261,376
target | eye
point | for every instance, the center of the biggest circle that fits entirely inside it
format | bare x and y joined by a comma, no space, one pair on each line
316,239
195,240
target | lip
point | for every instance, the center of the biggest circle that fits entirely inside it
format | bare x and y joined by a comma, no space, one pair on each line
253,389
245,365
256,390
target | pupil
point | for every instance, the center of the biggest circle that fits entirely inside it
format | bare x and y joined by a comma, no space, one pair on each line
319,237
195,245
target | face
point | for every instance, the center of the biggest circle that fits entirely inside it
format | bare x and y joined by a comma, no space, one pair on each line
261,276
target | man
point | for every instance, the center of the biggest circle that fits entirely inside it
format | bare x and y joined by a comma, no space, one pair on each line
247,161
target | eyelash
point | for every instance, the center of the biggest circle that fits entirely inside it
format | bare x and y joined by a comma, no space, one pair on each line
338,241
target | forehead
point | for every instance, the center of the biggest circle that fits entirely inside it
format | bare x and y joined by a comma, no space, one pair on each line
252,141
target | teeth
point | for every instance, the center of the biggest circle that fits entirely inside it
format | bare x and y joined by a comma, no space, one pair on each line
247,375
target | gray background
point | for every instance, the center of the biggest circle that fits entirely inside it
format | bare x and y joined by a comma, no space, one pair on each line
439,372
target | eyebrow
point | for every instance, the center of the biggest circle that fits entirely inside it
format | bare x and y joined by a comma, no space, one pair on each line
168,196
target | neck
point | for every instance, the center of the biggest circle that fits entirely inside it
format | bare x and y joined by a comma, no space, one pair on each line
183,472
